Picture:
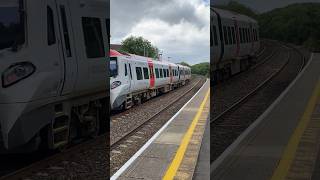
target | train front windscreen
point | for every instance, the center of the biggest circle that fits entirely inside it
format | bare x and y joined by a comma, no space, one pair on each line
12,31
113,67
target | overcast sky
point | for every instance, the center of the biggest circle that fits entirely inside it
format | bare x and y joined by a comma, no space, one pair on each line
264,5
179,28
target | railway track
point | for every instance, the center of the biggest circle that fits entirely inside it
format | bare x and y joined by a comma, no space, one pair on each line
57,165
124,147
227,125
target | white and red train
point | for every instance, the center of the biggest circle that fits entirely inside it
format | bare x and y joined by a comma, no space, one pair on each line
234,42
136,78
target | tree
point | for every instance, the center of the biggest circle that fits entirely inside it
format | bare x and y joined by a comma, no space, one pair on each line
184,64
139,46
239,8
202,69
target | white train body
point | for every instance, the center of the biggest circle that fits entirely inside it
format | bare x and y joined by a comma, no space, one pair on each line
134,78
53,71
234,41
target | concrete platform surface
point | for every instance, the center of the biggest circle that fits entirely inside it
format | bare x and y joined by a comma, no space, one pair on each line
170,155
283,142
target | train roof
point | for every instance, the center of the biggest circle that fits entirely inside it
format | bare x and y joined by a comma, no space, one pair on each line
230,15
115,53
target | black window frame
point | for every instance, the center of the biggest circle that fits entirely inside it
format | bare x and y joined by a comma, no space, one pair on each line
229,35
225,35
233,35
92,40
125,69
65,31
146,73
139,73
51,32
215,36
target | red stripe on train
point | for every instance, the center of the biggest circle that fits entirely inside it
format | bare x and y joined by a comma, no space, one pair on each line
152,79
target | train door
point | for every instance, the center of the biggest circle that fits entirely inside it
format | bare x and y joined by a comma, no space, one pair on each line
69,57
170,73
126,78
53,51
151,70
251,38
131,76
90,29
237,36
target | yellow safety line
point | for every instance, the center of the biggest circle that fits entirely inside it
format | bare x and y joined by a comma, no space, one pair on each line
288,155
171,171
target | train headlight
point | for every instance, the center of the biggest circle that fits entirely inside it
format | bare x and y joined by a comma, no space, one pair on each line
16,73
115,84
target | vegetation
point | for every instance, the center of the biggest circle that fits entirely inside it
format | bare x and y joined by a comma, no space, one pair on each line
139,46
297,23
201,68
237,7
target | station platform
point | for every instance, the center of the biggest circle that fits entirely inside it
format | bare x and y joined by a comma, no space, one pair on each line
284,142
172,153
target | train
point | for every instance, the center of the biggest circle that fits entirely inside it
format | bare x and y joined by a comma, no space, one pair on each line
134,79
234,43
54,72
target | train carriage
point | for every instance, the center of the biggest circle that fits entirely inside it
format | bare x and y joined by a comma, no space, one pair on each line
135,78
234,43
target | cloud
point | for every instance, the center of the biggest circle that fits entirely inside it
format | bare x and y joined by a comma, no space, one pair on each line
177,27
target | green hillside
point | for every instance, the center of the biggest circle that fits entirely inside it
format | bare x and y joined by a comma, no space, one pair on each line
296,23
200,69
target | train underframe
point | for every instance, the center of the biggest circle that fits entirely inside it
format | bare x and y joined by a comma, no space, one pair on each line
136,98
226,69
62,123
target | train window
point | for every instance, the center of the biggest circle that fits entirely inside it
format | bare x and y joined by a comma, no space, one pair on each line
215,37
256,34
157,73
247,33
225,35
51,35
145,73
125,70
93,37
161,75
113,66
229,35
167,72
139,73
65,31
164,73
233,35
130,71
244,35
108,30
240,33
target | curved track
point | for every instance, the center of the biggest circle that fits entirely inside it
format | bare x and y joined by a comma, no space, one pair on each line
228,123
